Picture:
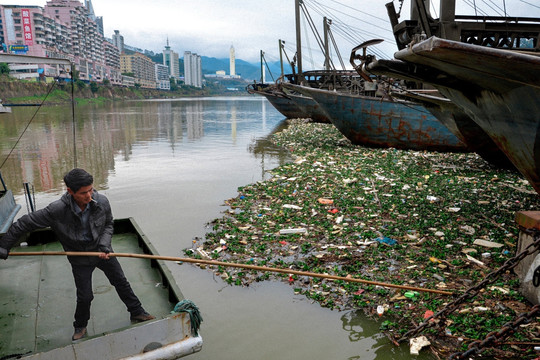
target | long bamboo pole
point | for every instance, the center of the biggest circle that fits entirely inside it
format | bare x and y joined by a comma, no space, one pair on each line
236,265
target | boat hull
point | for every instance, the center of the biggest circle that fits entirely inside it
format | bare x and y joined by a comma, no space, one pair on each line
381,123
42,303
465,129
497,88
279,100
8,210
310,108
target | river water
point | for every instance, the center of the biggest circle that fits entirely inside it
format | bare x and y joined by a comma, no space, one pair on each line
171,164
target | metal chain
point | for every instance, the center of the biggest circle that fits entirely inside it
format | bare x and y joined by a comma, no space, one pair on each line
474,290
496,337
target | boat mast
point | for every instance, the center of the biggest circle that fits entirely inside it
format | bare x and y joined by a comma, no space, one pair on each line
262,67
447,19
298,40
281,42
420,12
326,25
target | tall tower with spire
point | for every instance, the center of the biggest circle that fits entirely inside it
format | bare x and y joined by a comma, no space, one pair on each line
170,59
232,61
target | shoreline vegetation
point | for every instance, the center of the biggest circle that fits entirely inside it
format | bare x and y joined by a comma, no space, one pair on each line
14,91
420,219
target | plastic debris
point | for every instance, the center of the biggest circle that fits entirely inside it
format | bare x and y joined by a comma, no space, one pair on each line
411,294
428,314
203,253
386,240
476,261
417,344
422,227
488,244
293,231
289,206
325,201
380,310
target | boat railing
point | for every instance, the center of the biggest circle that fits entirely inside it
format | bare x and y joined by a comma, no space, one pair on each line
512,33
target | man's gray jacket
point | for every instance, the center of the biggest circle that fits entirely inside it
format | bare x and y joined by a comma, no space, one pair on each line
61,217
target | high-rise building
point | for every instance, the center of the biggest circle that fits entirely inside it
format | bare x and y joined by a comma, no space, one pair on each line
232,61
163,81
192,69
118,41
141,67
170,59
62,29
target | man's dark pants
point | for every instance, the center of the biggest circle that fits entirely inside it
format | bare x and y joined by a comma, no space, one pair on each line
82,275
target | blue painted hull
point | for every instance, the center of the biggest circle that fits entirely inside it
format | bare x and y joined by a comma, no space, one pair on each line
279,100
310,107
462,125
376,122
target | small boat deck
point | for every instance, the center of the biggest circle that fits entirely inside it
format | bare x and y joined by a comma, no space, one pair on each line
38,299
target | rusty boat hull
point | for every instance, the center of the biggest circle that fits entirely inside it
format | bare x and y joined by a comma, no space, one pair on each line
279,100
384,123
461,125
310,107
499,89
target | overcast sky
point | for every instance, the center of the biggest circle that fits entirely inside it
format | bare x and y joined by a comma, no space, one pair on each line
210,27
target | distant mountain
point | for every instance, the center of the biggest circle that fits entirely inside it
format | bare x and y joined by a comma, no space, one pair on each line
246,70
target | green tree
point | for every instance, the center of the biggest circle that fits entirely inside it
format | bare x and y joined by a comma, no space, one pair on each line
4,68
80,84
94,87
174,85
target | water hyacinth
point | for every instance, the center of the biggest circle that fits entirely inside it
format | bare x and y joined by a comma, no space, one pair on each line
401,217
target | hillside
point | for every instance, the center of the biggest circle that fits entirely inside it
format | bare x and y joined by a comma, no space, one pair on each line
248,71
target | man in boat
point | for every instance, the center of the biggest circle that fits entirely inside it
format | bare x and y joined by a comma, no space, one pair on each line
82,221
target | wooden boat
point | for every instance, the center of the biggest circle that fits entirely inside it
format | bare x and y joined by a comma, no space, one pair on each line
38,301
461,125
499,88
279,100
8,207
309,107
382,122
487,66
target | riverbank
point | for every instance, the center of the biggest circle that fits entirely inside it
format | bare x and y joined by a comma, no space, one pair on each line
31,92
407,218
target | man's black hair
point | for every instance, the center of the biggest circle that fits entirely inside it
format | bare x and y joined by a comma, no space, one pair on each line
77,178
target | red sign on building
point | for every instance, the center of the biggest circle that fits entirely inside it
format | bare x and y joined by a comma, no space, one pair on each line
27,27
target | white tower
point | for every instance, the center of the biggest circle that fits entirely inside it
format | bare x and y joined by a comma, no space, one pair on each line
232,62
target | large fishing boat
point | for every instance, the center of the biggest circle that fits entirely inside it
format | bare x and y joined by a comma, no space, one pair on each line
487,66
383,122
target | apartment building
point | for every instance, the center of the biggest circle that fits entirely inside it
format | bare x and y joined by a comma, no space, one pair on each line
192,69
163,81
61,29
141,67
